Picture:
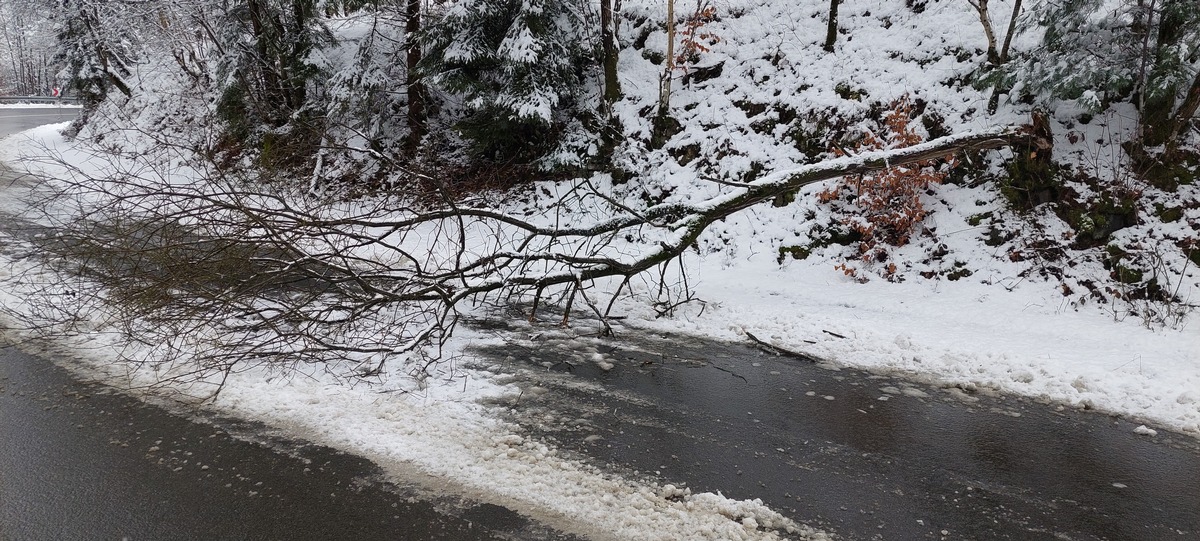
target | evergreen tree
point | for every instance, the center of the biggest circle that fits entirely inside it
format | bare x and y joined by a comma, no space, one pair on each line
1144,52
269,72
95,49
517,63
1100,52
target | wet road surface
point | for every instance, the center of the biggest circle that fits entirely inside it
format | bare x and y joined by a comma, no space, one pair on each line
862,456
79,461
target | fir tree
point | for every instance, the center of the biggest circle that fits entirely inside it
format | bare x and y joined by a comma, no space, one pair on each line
268,74
1099,52
518,64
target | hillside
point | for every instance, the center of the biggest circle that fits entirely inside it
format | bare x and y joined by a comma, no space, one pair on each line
1015,268
266,223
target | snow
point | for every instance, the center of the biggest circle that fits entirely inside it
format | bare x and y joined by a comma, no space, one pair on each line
998,328
435,432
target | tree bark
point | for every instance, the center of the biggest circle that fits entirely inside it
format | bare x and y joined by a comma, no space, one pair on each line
981,6
832,29
693,220
1158,109
1012,29
416,88
664,95
1187,111
608,37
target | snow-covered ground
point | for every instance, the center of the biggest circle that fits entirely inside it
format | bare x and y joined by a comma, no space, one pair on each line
998,326
438,434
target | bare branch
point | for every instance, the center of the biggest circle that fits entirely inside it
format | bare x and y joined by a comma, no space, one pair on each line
248,276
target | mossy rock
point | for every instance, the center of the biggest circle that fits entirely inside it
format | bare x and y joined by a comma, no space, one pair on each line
1165,171
847,92
797,252
1115,253
996,237
958,274
756,170
685,154
823,237
1031,182
665,127
842,237
1168,214
751,109
1095,223
976,219
1126,275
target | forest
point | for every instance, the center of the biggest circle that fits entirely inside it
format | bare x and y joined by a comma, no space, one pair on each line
399,159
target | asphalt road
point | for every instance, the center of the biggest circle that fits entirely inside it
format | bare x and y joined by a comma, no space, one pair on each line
18,120
81,461
861,455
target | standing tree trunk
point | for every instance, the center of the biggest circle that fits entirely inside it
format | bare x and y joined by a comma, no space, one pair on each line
416,89
1187,111
271,88
664,125
608,37
1158,105
1012,29
996,57
832,30
664,93
981,6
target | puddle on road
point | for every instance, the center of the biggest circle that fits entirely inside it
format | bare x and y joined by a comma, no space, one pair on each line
862,455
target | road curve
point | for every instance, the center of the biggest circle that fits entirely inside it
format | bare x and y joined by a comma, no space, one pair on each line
82,461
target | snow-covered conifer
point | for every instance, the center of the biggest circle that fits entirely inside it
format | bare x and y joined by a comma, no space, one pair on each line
518,65
95,48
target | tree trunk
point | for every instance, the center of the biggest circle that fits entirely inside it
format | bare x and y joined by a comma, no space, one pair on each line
1187,111
663,124
985,17
608,37
271,90
1012,29
664,94
832,29
416,89
1158,107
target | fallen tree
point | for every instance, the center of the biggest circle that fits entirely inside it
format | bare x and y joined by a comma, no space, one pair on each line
205,277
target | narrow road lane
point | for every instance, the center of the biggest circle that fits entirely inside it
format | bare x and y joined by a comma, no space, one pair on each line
860,455
80,461
18,120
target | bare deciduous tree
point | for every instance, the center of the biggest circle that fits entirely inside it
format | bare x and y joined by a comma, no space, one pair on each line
996,55
222,275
